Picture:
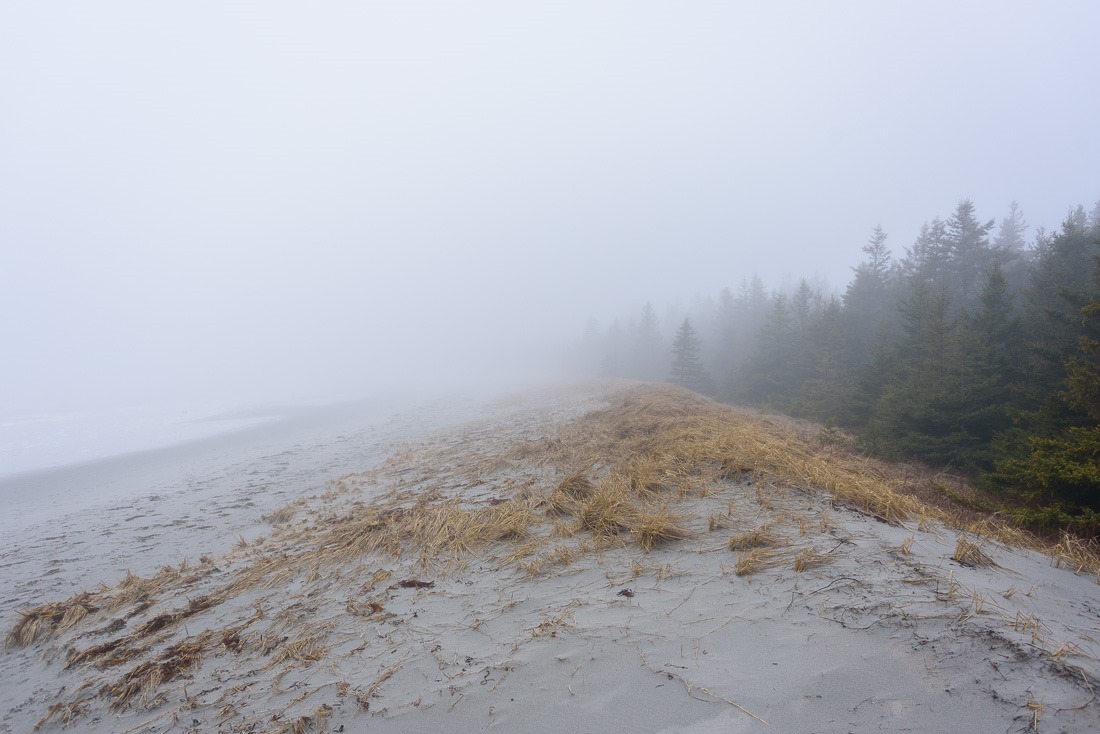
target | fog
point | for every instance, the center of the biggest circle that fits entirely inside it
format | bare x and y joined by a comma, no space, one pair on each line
269,201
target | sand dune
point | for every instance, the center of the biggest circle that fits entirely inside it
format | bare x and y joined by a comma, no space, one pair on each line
605,557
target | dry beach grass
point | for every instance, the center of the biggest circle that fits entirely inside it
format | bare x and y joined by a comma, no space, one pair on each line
332,608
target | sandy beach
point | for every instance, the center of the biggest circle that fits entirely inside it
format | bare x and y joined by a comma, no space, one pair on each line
597,557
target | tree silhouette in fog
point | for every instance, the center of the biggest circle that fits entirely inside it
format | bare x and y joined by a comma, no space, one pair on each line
687,365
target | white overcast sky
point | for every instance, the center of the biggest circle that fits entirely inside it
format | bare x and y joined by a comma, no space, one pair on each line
272,199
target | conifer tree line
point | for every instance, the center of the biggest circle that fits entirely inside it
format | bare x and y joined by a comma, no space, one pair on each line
978,350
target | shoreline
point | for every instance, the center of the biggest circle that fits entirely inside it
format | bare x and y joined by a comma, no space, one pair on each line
36,496
92,523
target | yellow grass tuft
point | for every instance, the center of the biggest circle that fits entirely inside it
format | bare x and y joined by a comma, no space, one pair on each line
281,516
758,559
1080,555
653,527
573,490
609,511
509,521
63,714
759,538
969,553
808,558
305,649
50,619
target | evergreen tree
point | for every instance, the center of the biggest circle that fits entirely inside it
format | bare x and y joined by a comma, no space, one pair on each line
1083,369
868,301
970,253
752,295
646,356
768,376
1000,350
802,306
915,414
985,374
1063,467
1010,237
1058,289
929,258
742,327
687,363
726,318
823,378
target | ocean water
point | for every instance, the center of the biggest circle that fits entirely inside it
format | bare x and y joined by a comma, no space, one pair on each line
181,459
52,440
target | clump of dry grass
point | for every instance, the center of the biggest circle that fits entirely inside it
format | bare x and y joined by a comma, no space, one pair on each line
145,678
608,511
559,556
758,559
130,647
49,619
808,558
761,537
969,553
509,521
652,527
170,619
63,714
679,434
281,516
306,648
107,654
1078,554
648,474
574,489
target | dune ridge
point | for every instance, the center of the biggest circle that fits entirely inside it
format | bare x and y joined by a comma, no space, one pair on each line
634,558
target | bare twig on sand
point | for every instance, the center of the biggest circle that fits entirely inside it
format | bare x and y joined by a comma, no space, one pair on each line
692,687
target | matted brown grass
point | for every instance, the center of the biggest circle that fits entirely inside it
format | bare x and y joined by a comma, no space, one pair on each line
143,680
685,434
49,619
808,558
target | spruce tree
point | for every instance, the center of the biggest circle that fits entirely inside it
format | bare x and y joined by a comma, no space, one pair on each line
868,302
971,254
1010,236
687,364
768,376
825,381
647,350
1058,289
1061,469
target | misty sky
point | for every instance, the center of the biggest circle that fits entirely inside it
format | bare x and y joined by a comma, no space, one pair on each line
270,199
